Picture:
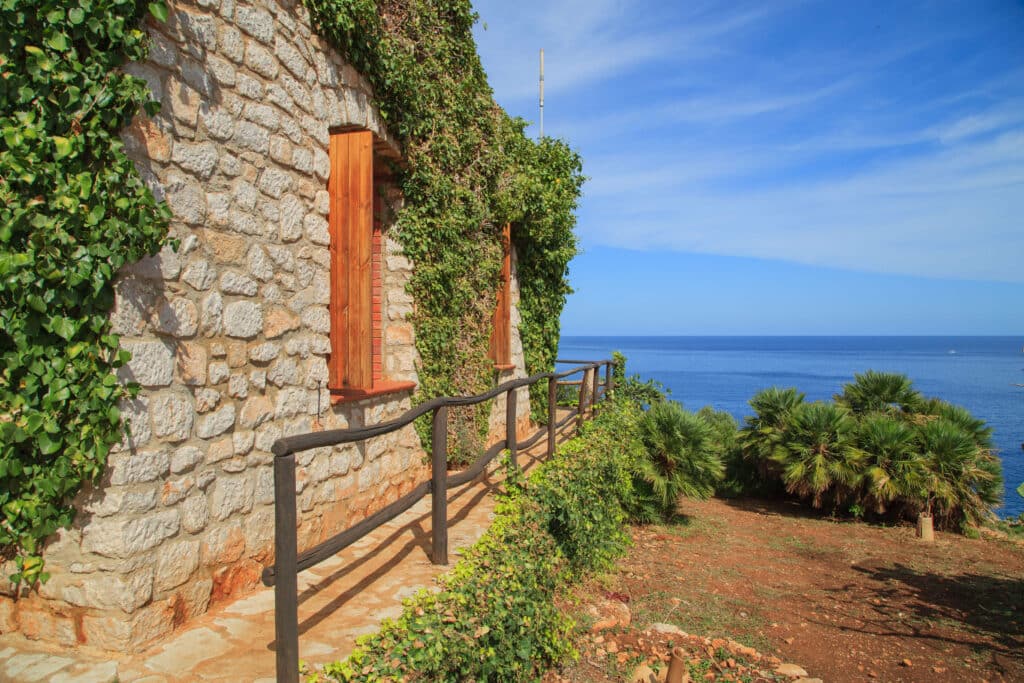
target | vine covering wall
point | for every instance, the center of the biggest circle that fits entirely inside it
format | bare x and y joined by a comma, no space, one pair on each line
470,169
73,210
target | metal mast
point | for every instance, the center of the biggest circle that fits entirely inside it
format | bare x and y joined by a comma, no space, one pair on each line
542,92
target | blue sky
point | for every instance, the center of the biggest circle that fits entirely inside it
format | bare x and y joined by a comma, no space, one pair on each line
789,167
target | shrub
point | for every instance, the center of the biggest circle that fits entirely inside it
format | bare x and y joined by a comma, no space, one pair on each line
682,460
494,618
816,453
880,446
644,393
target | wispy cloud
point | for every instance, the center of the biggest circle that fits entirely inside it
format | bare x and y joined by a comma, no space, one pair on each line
764,131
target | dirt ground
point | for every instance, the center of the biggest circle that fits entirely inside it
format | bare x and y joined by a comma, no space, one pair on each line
846,601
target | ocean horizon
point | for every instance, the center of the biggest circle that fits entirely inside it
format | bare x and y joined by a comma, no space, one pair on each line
977,372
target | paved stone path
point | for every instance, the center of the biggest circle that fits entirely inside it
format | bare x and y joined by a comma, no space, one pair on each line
339,600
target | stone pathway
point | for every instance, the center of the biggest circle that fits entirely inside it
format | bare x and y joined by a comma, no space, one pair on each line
339,600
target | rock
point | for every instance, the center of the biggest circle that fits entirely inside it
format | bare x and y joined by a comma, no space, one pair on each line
670,629
151,365
791,670
609,614
907,663
172,415
243,319
217,422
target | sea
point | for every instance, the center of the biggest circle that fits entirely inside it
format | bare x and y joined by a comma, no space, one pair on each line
978,373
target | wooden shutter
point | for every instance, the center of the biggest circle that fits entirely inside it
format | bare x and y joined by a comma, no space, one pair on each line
351,229
501,329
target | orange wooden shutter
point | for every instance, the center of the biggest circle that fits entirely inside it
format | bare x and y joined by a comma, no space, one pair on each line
351,228
501,329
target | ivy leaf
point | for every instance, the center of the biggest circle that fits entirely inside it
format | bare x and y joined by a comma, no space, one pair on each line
47,445
63,146
159,11
1020,490
62,327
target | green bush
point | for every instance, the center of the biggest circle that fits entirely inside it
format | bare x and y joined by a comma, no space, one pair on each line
681,460
881,447
494,618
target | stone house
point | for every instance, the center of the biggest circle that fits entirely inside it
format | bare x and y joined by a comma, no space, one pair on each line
282,310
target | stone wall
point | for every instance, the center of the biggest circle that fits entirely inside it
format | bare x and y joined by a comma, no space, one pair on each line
229,337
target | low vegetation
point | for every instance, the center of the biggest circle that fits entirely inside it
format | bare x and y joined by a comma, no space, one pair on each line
494,615
878,449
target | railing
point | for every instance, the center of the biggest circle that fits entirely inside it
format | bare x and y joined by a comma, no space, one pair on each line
283,575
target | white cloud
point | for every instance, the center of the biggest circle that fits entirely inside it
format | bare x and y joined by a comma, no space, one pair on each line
826,154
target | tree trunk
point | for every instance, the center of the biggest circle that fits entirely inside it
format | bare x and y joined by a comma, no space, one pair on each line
925,528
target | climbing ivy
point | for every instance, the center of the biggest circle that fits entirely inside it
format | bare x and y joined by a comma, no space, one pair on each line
469,170
73,210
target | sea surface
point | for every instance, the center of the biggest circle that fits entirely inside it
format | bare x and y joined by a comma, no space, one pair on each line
978,373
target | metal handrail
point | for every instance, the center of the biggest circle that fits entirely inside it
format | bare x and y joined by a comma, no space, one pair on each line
283,575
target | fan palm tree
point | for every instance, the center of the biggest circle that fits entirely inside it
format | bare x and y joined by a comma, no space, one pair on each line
965,479
873,391
681,461
818,453
894,467
765,429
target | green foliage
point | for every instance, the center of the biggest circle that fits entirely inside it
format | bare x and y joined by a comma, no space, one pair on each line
494,618
817,453
470,169
873,392
73,210
631,388
881,447
682,459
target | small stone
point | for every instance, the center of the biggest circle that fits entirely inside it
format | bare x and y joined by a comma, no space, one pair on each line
260,267
275,183
177,318
185,459
151,365
238,386
264,353
256,22
790,670
907,663
260,60
199,158
216,423
236,283
172,416
194,513
292,212
218,372
278,321
243,319
199,275
190,364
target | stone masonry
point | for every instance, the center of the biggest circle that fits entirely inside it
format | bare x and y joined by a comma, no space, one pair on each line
229,336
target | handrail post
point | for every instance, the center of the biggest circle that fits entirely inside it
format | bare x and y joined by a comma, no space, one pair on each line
552,413
581,404
593,390
286,590
511,441
608,379
439,486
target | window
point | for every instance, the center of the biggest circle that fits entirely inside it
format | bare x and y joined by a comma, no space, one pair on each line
355,366
501,330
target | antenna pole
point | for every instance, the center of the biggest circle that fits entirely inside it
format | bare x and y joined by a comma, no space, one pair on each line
542,92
